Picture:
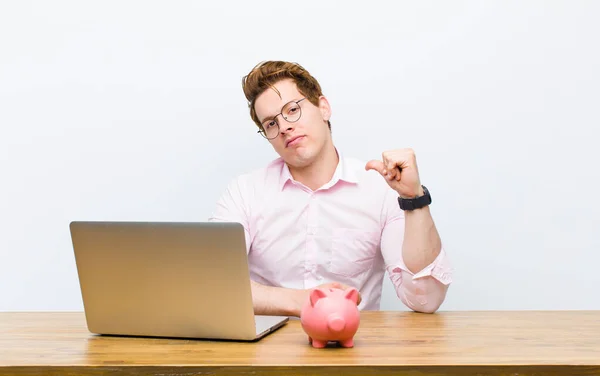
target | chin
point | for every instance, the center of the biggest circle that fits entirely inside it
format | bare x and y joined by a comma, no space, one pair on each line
300,157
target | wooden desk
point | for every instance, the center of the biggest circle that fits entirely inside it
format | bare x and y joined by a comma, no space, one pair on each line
399,343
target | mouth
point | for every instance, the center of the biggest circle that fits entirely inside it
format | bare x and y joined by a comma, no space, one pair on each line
294,141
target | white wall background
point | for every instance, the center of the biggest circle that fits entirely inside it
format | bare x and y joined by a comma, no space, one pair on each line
133,110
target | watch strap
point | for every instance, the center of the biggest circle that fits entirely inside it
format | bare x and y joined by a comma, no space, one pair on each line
417,202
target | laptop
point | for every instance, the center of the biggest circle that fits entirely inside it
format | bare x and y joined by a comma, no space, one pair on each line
167,279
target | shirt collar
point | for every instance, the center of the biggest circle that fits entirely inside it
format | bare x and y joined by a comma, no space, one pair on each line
342,172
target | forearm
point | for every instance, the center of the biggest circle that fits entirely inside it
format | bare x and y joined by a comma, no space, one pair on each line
277,301
422,242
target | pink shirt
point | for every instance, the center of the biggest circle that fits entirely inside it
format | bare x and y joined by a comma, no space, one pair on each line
349,231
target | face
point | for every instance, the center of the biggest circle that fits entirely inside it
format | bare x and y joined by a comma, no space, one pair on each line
301,142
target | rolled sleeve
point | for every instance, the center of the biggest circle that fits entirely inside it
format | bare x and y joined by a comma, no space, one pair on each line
439,269
424,291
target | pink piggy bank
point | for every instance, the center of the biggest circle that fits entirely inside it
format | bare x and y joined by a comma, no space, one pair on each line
331,315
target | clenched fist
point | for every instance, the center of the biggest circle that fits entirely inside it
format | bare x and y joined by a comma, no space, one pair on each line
399,168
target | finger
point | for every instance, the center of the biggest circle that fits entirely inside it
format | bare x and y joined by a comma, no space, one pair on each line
377,166
392,174
390,165
396,167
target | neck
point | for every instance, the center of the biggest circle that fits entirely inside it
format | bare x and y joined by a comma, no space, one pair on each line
320,172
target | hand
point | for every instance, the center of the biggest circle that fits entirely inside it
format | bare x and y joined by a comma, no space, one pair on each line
399,168
336,285
305,294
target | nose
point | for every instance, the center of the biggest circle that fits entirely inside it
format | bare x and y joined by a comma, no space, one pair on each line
336,323
285,126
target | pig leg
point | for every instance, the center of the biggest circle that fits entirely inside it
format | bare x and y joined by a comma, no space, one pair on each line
347,343
318,344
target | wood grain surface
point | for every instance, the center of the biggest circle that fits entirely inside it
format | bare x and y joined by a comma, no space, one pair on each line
444,343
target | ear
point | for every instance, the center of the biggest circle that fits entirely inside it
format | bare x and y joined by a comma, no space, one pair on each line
315,295
324,108
352,294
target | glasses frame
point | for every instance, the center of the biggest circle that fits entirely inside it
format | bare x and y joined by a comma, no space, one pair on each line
262,130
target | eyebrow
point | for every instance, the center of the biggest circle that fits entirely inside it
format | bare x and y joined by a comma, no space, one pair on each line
270,117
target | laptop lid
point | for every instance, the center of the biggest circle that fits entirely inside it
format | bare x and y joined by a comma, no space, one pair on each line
166,279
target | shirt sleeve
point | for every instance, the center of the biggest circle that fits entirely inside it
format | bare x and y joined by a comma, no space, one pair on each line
424,291
233,206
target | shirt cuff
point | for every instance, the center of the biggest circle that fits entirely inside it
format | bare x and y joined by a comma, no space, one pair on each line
439,269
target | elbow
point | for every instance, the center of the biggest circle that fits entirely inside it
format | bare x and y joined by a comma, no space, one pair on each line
434,300
428,298
430,307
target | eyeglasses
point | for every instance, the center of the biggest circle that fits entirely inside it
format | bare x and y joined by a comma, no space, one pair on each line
291,112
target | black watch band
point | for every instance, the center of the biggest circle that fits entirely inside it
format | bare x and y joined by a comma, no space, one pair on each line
417,202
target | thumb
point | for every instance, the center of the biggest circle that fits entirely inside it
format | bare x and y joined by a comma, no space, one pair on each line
375,165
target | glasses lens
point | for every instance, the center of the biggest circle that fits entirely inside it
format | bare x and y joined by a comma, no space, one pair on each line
270,129
291,112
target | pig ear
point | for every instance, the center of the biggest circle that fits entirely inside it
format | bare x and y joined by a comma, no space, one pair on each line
315,295
352,294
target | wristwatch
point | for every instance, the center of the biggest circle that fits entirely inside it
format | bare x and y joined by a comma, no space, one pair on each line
417,202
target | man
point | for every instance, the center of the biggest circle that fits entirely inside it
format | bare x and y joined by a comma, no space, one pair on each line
316,218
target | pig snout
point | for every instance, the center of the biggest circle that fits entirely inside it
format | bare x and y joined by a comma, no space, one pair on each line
336,323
